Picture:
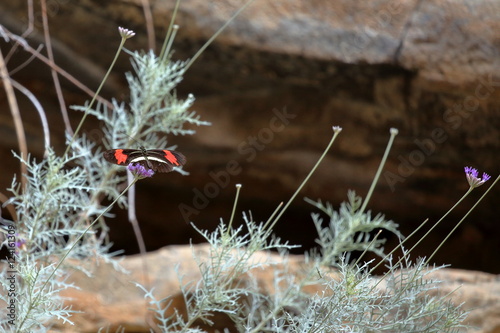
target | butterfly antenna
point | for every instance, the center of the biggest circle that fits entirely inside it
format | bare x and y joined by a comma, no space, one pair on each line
143,150
135,140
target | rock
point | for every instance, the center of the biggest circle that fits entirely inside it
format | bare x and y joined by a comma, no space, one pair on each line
110,299
478,291
429,68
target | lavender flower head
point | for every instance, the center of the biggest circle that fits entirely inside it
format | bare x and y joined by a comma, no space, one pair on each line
473,179
19,244
140,171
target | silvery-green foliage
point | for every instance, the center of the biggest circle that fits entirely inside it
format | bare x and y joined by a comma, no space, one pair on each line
99,174
152,94
37,296
222,288
53,210
348,297
50,207
154,109
412,303
353,301
349,229
63,193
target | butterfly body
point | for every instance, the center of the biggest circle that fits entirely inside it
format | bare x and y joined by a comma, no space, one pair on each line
158,160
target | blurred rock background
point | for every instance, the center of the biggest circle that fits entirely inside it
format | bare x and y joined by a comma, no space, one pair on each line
273,84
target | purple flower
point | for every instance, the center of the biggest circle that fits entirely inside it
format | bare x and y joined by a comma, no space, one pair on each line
140,171
19,243
473,179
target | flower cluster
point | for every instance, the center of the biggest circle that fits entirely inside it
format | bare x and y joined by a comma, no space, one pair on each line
19,244
126,33
473,179
140,171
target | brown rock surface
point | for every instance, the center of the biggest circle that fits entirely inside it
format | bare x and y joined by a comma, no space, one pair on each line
110,299
429,68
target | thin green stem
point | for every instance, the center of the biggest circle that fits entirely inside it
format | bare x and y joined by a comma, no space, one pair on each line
169,37
366,249
463,218
439,221
217,33
400,245
165,49
419,241
272,215
164,57
430,230
238,188
393,132
336,131
86,112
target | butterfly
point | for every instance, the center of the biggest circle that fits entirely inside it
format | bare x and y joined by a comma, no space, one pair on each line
158,160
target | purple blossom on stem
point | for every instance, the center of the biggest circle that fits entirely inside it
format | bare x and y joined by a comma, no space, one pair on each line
140,171
473,179
19,243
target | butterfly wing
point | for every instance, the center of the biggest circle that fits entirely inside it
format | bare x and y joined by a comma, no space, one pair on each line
121,156
159,160
163,160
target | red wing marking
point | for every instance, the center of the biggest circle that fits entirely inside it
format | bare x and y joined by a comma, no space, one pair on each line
121,158
171,157
159,160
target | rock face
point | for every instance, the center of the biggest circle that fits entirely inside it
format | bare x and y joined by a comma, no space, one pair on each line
274,83
110,300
